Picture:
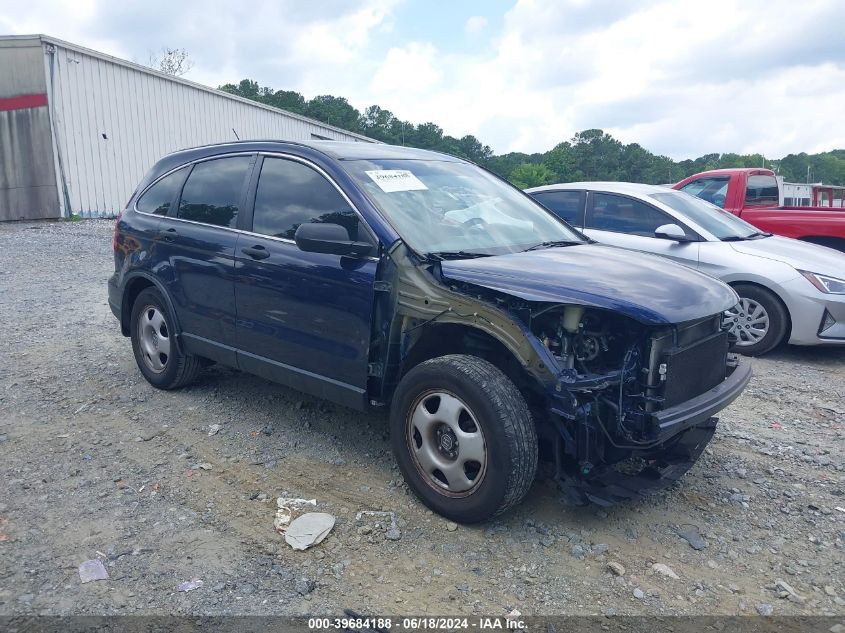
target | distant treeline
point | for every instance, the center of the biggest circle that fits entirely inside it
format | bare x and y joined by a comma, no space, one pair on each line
589,155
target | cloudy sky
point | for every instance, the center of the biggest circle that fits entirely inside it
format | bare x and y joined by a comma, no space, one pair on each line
681,78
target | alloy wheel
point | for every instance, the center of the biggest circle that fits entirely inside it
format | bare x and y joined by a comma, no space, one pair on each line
749,322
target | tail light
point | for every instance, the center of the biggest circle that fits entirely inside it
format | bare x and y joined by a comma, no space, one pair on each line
114,236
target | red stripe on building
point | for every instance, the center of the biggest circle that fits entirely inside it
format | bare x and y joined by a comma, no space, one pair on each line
23,101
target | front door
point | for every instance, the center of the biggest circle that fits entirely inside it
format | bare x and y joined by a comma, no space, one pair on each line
626,222
304,319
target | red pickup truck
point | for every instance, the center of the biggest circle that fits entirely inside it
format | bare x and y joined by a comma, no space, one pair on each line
754,195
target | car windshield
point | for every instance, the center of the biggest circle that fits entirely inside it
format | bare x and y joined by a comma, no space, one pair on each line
457,209
722,224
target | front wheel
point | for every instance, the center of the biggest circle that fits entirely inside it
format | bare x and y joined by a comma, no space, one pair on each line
463,437
759,321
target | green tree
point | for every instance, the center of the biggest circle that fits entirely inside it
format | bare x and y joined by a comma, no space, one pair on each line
335,111
531,175
286,100
590,154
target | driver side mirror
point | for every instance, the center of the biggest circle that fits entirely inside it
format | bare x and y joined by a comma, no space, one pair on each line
671,232
319,237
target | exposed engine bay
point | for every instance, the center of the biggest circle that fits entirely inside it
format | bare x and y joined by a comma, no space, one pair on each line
619,374
588,341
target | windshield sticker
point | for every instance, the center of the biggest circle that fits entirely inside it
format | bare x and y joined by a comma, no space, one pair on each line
393,180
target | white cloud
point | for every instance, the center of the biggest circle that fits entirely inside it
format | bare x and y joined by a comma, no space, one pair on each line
732,76
729,75
475,24
407,71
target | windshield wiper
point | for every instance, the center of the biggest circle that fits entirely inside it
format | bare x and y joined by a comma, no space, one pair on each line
441,255
742,238
553,244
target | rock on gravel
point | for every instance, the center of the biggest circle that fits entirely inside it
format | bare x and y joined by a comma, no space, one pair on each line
665,570
304,586
692,536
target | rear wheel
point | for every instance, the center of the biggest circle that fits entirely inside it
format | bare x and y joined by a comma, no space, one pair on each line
463,437
759,321
157,354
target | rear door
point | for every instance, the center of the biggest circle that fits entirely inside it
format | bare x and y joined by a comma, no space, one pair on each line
198,241
567,205
629,223
304,319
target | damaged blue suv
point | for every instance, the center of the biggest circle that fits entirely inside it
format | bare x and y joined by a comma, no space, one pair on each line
374,275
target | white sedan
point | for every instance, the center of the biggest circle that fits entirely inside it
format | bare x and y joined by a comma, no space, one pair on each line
789,290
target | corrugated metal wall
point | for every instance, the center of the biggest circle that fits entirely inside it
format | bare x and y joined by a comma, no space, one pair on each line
27,179
113,120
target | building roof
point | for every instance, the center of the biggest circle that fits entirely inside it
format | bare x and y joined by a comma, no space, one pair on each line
18,40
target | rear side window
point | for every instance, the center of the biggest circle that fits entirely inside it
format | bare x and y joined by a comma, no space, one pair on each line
158,198
290,194
625,215
713,190
761,190
213,192
564,204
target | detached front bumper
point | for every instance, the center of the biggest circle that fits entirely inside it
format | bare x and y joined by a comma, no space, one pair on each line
676,419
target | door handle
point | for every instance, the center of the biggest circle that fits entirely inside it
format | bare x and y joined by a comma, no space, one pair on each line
256,252
168,234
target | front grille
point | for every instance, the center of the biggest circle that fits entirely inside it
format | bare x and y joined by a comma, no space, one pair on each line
692,370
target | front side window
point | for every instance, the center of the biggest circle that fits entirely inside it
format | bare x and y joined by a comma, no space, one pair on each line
621,214
158,198
713,190
213,192
761,190
722,224
564,204
454,209
290,194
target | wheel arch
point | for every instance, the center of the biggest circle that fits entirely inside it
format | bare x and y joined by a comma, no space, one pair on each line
132,288
441,339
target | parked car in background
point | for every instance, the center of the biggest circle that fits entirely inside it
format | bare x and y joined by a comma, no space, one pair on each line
374,275
754,195
789,290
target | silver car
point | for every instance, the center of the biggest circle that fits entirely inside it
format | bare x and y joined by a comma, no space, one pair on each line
789,290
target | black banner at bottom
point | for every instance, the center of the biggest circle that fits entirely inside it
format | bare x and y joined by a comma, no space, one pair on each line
384,624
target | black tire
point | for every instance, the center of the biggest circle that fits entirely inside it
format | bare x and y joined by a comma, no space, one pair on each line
507,429
778,319
177,369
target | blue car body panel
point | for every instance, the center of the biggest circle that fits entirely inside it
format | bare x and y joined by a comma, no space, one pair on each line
645,288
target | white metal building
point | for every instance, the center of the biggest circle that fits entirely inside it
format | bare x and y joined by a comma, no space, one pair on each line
78,129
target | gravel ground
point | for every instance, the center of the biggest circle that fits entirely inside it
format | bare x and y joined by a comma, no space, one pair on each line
96,464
